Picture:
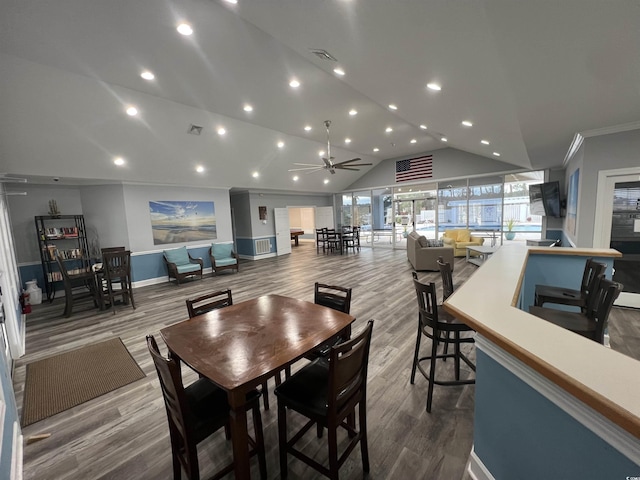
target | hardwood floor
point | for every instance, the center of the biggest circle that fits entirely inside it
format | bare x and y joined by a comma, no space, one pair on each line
124,434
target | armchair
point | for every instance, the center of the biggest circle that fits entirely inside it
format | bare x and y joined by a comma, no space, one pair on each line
460,239
223,257
181,265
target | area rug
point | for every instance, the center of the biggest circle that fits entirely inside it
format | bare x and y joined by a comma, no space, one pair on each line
63,381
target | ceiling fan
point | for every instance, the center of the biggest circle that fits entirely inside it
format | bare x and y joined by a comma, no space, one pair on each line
328,161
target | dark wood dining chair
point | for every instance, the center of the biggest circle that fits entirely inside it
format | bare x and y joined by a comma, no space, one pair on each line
593,322
77,286
116,269
112,249
321,239
212,301
567,296
195,413
337,298
333,240
437,324
327,395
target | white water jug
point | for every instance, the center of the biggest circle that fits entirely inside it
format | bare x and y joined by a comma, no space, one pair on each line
35,293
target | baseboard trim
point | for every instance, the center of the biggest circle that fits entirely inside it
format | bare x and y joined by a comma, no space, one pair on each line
619,439
476,469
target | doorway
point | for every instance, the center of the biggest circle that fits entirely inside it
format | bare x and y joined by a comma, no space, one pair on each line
617,225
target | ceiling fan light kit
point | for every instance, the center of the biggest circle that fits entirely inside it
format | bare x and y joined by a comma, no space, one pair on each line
328,163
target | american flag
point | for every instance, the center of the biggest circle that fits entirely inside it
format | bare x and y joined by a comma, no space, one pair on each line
414,168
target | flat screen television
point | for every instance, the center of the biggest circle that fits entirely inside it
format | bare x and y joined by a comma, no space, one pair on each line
544,199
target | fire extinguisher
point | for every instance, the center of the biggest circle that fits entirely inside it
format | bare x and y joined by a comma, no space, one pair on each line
25,303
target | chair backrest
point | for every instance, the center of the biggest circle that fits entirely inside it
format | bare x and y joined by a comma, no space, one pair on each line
116,264
332,296
447,278
112,249
427,302
222,251
63,269
175,402
179,256
608,291
592,269
348,363
212,301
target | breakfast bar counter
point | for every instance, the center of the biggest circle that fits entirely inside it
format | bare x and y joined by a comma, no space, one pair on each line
549,403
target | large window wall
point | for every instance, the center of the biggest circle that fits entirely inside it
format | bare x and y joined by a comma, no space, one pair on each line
490,206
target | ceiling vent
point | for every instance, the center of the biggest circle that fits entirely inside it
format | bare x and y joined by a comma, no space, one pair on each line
323,54
194,130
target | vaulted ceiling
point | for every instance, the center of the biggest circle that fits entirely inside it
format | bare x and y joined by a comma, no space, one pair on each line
526,75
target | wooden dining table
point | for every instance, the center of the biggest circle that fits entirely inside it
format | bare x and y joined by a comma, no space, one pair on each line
240,346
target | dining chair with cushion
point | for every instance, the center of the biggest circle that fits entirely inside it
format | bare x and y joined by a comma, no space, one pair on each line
567,296
327,394
181,265
223,257
592,323
77,286
116,269
212,301
437,324
195,413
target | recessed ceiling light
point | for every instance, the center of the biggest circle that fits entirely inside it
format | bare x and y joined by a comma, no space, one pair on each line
321,153
413,140
393,106
467,123
247,108
280,144
496,154
423,127
338,71
185,29
326,180
376,149
233,2
199,169
353,112
118,161
307,128
132,111
388,129
255,174
294,83
434,86
347,140
147,75
221,131
295,178
444,139
484,142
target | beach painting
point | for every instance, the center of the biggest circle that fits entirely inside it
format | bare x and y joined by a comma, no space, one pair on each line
178,222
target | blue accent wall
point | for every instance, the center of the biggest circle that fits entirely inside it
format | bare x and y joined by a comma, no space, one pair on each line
247,246
520,434
558,234
151,265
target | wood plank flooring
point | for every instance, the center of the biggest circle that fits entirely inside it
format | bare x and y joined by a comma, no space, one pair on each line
124,434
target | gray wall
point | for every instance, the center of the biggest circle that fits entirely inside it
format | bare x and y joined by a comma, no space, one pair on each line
241,205
23,209
447,163
106,225
605,152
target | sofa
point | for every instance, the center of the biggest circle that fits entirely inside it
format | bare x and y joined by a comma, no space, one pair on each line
422,256
460,239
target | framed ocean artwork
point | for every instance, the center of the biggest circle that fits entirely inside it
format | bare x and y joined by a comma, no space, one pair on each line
178,222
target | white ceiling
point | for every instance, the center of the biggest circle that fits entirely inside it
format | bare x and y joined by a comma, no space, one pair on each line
529,75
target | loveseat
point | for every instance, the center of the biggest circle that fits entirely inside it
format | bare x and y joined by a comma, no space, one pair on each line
425,257
460,239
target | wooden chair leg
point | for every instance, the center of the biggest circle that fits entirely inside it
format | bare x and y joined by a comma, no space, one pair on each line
282,439
364,446
257,428
415,355
265,395
432,371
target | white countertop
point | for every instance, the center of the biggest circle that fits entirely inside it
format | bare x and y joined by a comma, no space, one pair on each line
607,381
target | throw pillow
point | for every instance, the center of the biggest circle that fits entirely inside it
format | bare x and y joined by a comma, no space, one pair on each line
422,241
464,236
435,243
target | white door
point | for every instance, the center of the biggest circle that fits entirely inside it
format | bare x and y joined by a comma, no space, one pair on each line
617,225
283,233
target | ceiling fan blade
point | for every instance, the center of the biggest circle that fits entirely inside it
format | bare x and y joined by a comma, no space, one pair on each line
350,168
307,164
357,165
349,161
314,168
328,163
